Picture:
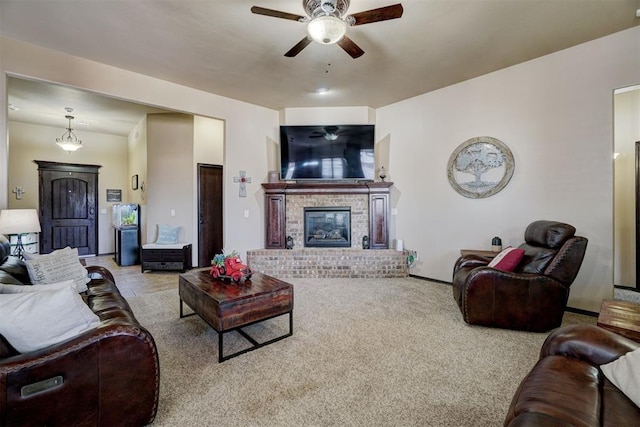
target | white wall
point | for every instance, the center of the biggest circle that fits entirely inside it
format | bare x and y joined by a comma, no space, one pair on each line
626,133
208,140
137,165
170,174
247,126
555,114
137,161
327,116
33,142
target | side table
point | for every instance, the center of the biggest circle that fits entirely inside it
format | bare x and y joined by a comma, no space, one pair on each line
621,317
479,252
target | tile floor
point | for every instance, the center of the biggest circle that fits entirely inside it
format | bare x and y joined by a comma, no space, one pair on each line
131,281
627,295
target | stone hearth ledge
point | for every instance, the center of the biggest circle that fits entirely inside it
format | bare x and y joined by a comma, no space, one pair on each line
329,263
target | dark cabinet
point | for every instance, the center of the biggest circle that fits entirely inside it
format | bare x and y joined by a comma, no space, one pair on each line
379,221
275,221
127,246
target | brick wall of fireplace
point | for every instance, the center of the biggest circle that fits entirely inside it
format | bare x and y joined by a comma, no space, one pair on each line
329,263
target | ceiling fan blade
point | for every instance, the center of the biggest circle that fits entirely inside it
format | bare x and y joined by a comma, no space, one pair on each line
275,13
380,14
350,47
297,48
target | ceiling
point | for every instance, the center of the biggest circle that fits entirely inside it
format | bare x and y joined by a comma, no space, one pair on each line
221,47
45,103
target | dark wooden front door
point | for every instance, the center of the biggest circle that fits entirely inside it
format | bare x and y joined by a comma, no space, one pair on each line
68,207
209,213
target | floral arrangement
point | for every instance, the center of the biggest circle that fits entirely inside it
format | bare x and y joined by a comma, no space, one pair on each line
218,259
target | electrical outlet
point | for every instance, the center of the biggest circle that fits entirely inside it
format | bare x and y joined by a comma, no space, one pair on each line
173,212
246,213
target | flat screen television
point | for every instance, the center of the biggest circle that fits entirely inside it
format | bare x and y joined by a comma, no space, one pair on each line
340,152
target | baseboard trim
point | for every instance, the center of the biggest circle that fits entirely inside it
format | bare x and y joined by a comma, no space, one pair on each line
429,279
581,311
626,288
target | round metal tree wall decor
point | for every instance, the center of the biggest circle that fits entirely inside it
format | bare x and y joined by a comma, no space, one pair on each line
480,167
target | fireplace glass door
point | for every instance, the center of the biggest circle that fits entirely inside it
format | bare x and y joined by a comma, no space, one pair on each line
327,227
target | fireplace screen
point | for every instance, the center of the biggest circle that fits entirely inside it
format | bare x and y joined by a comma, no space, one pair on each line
327,227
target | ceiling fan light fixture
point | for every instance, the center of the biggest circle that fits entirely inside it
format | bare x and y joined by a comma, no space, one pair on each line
327,29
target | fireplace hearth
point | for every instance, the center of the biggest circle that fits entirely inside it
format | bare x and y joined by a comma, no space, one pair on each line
327,227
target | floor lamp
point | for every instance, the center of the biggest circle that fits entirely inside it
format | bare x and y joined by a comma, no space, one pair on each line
18,222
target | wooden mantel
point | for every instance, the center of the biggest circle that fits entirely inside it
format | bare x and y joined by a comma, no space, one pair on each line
275,202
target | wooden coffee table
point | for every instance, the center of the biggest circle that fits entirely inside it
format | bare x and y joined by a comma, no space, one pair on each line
621,317
227,306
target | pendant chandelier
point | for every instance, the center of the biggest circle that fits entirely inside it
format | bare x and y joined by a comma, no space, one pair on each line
69,142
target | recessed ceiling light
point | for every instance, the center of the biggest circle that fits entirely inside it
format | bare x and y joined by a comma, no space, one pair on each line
322,90
13,107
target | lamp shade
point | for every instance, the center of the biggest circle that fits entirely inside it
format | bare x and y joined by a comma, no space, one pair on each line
327,29
19,221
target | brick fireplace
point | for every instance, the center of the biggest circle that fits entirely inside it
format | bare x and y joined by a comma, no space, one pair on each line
368,205
368,201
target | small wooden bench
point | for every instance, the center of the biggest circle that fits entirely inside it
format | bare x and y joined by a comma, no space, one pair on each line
166,257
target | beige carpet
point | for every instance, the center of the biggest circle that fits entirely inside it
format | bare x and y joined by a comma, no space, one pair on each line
388,352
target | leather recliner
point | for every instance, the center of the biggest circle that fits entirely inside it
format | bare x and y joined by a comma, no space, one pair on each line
534,296
566,387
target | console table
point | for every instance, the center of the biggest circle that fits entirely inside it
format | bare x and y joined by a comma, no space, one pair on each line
621,317
275,202
479,252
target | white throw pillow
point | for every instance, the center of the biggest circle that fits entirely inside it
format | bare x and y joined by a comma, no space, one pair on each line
19,289
624,373
57,266
34,320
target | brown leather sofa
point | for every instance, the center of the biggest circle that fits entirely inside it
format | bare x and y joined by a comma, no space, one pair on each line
534,296
106,377
566,386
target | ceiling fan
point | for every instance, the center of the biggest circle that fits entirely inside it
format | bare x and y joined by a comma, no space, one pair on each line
330,133
327,22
